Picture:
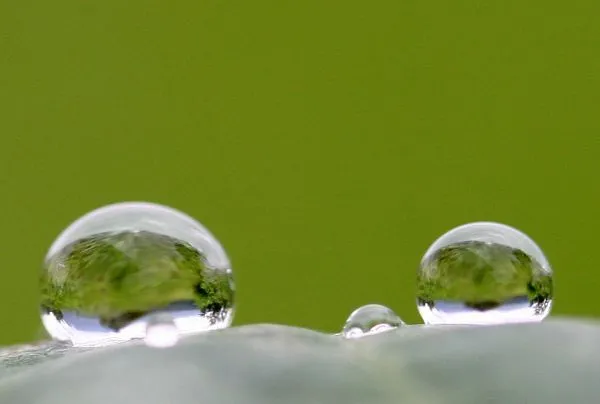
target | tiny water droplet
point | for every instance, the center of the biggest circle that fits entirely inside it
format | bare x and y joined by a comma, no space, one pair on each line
484,273
161,332
114,268
370,319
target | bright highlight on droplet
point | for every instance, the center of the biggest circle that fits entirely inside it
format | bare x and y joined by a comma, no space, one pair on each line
161,332
370,319
115,268
484,273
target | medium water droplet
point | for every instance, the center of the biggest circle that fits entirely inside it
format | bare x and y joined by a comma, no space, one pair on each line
161,332
111,270
484,273
370,319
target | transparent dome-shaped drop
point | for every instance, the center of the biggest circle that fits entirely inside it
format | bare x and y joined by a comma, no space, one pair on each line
117,267
484,273
370,319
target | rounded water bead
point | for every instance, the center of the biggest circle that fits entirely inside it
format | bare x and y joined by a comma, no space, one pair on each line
370,319
115,268
484,273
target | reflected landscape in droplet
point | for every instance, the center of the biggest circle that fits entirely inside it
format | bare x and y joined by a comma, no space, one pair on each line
109,272
370,319
484,273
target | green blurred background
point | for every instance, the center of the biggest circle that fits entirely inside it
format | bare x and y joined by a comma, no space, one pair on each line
325,143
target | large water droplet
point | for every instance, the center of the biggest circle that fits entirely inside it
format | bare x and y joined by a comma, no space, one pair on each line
484,273
370,319
113,269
